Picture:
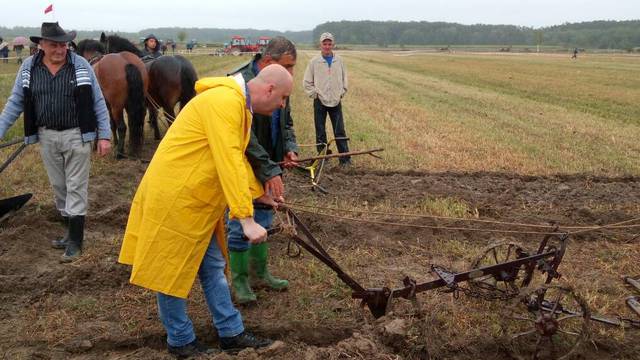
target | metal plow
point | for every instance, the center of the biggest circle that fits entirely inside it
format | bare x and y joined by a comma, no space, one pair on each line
11,205
542,321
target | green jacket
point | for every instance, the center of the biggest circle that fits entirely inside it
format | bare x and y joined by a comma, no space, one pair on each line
262,155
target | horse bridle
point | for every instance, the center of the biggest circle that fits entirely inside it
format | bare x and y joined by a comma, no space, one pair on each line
97,56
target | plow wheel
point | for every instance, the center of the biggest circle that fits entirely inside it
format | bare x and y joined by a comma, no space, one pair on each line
505,285
550,322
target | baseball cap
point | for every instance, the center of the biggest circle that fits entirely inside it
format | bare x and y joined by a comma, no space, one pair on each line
326,36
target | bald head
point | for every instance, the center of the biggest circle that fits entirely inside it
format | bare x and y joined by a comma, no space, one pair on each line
277,75
270,89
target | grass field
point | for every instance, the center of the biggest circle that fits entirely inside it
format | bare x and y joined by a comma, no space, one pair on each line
515,137
530,114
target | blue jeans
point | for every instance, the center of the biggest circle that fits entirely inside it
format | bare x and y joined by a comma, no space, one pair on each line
264,217
226,318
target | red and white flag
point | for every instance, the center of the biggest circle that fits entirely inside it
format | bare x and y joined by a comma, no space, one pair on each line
48,9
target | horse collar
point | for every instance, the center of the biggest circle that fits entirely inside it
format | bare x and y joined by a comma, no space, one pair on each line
95,58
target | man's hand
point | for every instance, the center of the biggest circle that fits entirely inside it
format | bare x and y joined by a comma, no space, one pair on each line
268,200
104,146
253,231
290,160
274,187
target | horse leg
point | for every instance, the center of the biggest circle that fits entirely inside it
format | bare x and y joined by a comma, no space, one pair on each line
170,113
153,120
113,132
122,133
113,124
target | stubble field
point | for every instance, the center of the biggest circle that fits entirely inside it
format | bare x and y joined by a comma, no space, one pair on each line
520,138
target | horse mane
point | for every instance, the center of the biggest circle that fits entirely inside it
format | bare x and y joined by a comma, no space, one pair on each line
116,44
90,45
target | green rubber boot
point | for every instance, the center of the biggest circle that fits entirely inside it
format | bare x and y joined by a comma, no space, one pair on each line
239,261
258,255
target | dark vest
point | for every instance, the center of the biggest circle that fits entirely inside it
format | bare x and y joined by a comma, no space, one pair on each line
83,97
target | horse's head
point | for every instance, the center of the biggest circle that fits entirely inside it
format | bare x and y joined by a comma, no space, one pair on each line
116,44
90,49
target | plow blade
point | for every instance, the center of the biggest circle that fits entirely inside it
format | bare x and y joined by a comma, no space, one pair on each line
12,204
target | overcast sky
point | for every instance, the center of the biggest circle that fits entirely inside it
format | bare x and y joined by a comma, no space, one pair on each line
135,15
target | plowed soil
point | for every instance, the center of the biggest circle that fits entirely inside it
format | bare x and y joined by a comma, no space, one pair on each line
88,310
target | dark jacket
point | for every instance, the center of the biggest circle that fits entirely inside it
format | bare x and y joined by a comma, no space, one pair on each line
148,53
260,152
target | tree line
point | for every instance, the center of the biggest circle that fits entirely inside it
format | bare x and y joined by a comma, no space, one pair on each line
593,34
201,35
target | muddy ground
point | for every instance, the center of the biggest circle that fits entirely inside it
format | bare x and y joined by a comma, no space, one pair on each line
87,310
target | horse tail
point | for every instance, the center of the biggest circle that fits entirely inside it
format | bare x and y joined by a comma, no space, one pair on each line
135,106
188,78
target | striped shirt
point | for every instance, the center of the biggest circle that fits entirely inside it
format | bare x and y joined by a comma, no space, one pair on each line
53,97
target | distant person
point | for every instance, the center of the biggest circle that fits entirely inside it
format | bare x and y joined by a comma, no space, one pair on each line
163,48
325,80
64,109
189,46
173,47
151,49
33,49
575,53
4,51
18,49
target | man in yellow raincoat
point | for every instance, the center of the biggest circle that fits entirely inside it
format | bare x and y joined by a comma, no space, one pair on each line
176,224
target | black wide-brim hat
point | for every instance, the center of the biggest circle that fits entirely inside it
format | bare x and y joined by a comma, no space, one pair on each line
52,31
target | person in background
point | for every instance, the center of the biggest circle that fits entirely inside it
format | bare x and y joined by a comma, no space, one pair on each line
272,140
151,49
4,51
325,81
18,49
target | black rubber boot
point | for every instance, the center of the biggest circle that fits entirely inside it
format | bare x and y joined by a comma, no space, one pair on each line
242,341
76,237
61,243
192,349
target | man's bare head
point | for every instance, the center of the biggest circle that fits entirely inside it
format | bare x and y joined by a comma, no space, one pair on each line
270,89
281,51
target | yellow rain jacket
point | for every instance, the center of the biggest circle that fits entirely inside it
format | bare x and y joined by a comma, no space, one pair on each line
197,171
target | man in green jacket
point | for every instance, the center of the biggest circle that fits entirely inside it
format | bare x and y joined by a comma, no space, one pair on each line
272,140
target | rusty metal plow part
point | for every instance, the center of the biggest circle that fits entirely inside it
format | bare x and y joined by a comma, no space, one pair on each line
10,205
378,299
633,301
549,322
13,155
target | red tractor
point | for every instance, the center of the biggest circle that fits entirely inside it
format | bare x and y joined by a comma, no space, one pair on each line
262,42
239,45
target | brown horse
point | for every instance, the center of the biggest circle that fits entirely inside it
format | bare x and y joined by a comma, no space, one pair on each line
171,80
124,82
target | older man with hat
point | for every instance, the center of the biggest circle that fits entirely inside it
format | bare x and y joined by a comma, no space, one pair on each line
325,81
64,110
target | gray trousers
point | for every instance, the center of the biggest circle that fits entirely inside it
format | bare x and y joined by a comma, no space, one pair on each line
67,160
